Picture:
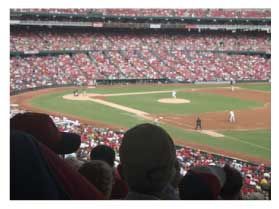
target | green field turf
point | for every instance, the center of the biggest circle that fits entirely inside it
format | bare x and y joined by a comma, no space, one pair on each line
200,102
254,143
262,87
86,109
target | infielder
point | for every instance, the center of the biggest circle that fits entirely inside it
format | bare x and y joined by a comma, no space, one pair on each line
231,117
174,94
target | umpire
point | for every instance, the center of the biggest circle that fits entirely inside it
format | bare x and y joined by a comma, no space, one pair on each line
198,123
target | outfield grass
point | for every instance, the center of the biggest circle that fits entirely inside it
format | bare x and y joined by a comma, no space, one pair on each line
262,87
200,102
143,88
137,88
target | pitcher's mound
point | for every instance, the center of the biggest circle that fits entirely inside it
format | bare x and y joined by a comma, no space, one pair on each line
173,101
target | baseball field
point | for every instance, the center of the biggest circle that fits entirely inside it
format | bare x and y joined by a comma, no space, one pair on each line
124,106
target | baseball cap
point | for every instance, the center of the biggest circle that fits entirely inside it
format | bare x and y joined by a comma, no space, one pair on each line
42,127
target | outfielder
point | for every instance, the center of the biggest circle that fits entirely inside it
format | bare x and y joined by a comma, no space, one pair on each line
174,94
231,117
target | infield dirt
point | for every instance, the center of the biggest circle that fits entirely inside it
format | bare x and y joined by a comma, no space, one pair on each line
251,119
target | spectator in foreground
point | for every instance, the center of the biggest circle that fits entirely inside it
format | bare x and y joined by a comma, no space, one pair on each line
233,184
202,183
147,157
107,154
42,127
99,173
171,191
30,177
37,173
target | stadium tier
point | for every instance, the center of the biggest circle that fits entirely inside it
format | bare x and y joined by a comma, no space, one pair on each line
183,57
228,13
22,41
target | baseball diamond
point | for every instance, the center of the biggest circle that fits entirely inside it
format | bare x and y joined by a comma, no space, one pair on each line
251,106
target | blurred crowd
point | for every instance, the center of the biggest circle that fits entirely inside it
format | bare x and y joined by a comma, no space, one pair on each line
83,68
28,41
128,56
224,13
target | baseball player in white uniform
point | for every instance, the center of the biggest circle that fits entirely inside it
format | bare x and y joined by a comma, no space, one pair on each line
174,94
231,117
232,83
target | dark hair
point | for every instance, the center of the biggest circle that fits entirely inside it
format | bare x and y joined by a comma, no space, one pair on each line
233,183
104,153
193,187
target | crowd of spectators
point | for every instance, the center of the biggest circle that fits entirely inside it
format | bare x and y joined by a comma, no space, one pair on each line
25,41
131,56
224,13
256,178
41,71
32,72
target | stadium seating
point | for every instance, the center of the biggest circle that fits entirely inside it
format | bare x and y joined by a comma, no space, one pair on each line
135,56
54,41
225,13
181,65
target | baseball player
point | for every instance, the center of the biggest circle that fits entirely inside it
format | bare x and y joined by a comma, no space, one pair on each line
231,117
232,82
198,123
174,94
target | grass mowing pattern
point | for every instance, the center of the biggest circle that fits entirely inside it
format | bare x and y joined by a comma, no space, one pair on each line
86,109
233,140
262,87
131,88
255,143
200,102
